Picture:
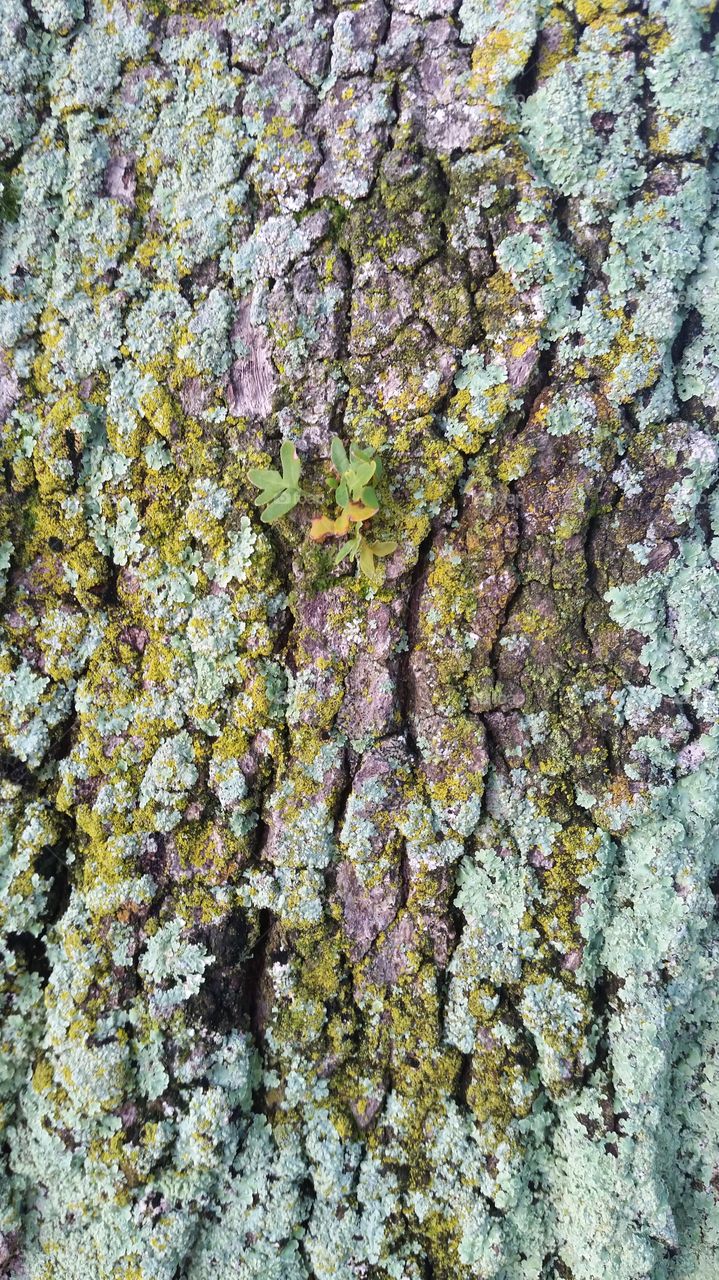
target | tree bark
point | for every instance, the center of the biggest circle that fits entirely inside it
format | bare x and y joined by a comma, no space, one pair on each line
354,928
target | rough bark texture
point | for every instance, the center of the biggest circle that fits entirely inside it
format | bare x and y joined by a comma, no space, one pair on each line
354,931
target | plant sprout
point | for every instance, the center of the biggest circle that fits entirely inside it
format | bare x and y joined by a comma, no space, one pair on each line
354,495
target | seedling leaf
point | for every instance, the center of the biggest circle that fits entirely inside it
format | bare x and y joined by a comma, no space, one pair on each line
323,527
348,549
279,493
357,477
291,466
359,511
340,461
366,560
361,455
270,481
278,508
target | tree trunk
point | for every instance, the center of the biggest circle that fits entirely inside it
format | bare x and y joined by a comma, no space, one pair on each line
360,927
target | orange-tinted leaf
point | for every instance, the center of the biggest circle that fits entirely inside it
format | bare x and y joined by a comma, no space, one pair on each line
360,511
322,527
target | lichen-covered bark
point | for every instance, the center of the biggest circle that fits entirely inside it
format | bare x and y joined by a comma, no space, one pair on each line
354,931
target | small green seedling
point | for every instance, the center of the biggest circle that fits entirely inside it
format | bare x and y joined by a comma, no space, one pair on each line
364,553
354,475
280,493
354,495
